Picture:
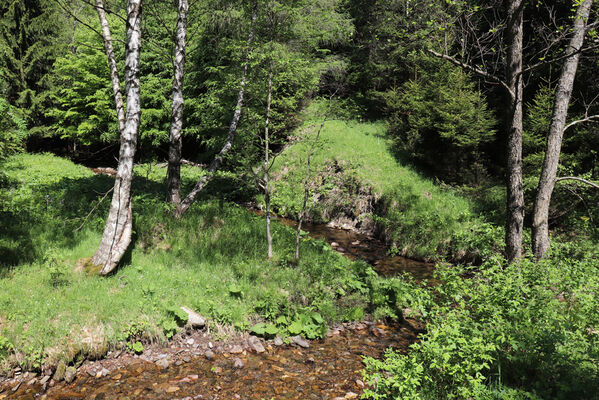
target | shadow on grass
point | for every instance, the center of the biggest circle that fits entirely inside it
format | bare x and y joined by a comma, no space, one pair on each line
37,216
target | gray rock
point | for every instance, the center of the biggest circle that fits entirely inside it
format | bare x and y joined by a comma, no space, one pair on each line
278,341
209,355
61,369
195,320
300,341
45,379
162,363
256,345
237,363
70,374
237,349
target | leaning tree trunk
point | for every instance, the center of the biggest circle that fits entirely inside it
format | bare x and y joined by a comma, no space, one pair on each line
267,160
515,195
117,233
175,145
540,225
219,158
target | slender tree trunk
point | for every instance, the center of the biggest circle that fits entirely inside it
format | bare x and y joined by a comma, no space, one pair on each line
114,72
219,158
175,145
540,226
515,194
267,159
302,214
117,233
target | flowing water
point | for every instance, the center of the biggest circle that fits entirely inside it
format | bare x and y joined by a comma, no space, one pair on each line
328,369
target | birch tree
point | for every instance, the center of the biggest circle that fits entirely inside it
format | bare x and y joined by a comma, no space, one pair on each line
220,157
540,226
117,232
175,143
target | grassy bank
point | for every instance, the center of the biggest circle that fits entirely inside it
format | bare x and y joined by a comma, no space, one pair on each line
356,176
213,261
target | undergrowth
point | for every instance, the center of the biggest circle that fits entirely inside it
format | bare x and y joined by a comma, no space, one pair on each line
213,260
352,161
523,331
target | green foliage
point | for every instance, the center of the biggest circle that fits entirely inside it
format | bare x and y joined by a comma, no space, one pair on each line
31,37
204,260
524,331
442,112
83,103
265,330
355,175
136,347
13,130
5,347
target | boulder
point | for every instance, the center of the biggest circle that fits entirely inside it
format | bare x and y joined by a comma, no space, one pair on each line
194,320
300,341
163,363
70,374
61,369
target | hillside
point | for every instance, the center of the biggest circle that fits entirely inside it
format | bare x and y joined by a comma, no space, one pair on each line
357,182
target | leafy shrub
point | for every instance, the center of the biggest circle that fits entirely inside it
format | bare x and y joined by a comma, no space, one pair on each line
442,112
526,330
13,129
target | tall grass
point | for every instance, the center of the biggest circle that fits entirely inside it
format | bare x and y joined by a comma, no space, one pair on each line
426,220
213,260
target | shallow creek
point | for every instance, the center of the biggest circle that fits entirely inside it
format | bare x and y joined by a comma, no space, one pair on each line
327,369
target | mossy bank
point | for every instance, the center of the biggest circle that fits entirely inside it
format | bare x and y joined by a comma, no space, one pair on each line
357,182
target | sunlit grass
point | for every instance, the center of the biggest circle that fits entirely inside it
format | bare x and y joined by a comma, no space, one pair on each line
426,219
47,307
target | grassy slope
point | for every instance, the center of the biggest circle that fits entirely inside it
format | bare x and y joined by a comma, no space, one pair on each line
49,311
426,220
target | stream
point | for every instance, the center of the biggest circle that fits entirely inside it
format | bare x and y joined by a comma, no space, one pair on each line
328,369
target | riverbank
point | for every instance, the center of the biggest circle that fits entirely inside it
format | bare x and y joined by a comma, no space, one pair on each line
358,182
212,261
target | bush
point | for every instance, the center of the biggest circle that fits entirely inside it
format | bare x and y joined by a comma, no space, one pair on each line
520,331
13,129
442,113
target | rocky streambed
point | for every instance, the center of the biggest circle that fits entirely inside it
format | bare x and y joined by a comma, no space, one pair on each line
196,366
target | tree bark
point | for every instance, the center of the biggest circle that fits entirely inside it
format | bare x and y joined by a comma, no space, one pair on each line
117,233
540,225
515,194
219,158
267,159
175,145
114,72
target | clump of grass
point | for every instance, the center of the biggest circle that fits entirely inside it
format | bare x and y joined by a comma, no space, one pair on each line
425,220
212,260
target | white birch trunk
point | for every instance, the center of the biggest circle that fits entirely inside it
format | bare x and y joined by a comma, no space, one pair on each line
267,160
175,145
219,158
540,227
117,233
114,72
